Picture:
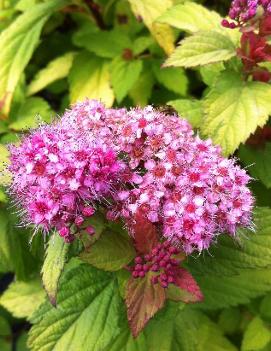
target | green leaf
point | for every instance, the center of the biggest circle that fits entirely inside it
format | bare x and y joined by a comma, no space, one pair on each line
31,113
89,78
14,249
210,73
185,330
17,44
56,255
142,89
141,44
5,329
229,320
202,48
5,345
56,69
234,109
191,110
124,74
21,344
236,271
256,336
87,316
191,17
259,162
111,252
126,342
143,300
107,44
21,299
150,10
172,78
265,307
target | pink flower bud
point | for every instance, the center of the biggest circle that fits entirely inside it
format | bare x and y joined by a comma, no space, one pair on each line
64,232
88,211
90,230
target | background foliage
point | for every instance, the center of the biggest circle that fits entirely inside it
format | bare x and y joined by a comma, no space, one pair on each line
55,52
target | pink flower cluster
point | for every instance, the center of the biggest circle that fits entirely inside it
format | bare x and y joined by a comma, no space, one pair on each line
59,179
140,159
243,11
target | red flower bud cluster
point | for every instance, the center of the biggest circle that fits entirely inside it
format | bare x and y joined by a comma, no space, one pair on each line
161,261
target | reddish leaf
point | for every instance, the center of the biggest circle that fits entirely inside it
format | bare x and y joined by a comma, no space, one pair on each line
261,75
185,289
143,300
144,233
265,26
254,49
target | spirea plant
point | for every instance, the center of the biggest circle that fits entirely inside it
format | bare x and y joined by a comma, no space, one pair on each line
135,176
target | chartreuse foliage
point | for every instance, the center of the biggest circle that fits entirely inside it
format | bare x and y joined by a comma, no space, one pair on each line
87,315
125,53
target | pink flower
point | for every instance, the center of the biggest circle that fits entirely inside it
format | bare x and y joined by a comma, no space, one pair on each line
127,161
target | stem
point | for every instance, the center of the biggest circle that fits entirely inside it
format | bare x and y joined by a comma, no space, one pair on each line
96,14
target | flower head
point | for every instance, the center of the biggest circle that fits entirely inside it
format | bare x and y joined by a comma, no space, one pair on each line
141,159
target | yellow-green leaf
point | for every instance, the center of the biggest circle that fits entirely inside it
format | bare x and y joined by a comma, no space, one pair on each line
90,78
234,109
17,44
149,11
53,265
57,69
21,299
202,48
191,17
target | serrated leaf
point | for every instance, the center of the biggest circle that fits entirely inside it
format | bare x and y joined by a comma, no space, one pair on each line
124,74
202,48
111,252
191,110
185,330
144,233
56,69
143,299
256,336
89,78
33,111
21,299
236,271
185,288
258,162
53,265
87,316
191,17
149,11
17,44
234,109
172,78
